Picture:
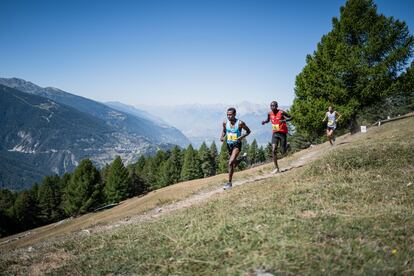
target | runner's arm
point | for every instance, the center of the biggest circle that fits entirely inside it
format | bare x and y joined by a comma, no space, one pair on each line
246,128
223,132
287,116
324,119
339,115
267,120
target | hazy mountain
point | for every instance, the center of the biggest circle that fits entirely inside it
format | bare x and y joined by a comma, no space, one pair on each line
203,122
130,109
39,137
126,123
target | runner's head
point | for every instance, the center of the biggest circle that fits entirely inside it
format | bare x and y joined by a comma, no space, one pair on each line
330,108
231,113
273,106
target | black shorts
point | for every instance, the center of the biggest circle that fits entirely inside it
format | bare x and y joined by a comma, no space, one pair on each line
330,127
231,147
279,137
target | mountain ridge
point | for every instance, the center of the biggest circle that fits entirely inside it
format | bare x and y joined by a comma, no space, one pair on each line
121,121
40,137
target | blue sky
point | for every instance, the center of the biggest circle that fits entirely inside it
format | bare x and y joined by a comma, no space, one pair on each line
169,52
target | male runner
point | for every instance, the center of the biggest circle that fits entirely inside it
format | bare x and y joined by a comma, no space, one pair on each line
278,118
232,131
332,116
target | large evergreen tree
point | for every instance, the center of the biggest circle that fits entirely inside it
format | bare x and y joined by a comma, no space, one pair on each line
25,211
176,159
84,191
150,173
49,198
170,171
166,174
191,165
160,159
355,66
118,184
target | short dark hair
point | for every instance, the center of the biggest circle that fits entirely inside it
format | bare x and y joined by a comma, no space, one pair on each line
232,109
274,102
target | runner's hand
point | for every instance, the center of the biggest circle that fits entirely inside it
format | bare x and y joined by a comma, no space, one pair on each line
263,122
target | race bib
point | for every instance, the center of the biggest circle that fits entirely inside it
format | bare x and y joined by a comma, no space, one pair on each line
330,122
275,127
232,137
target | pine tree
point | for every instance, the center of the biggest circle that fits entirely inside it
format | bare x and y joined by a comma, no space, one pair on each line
105,173
205,160
177,164
169,171
150,173
252,152
139,187
223,160
191,166
64,183
268,151
356,65
85,191
25,211
166,173
161,156
49,198
118,185
139,166
261,155
7,225
213,158
7,199
160,159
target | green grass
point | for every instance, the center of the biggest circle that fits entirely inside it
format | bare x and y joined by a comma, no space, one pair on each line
351,212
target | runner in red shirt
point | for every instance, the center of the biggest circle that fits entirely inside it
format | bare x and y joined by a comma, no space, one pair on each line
278,118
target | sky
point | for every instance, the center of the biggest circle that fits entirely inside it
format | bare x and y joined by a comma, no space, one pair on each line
169,52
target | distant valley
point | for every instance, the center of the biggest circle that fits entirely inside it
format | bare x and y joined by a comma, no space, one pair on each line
47,131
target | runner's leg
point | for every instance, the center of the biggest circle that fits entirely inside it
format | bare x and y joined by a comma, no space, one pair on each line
330,132
232,162
283,146
274,154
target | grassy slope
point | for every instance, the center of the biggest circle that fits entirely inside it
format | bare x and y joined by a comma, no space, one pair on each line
352,212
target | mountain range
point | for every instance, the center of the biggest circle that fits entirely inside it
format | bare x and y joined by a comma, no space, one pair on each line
47,130
124,122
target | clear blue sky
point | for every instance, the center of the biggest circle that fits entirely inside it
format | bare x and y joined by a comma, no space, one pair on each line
169,52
